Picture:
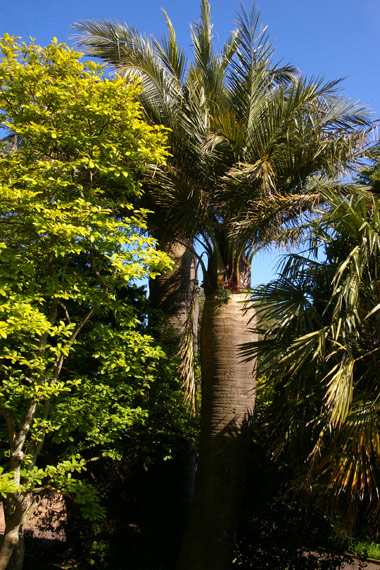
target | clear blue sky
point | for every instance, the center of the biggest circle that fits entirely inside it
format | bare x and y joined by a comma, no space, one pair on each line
333,38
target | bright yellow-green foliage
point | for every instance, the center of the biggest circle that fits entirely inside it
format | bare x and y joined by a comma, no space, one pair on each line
71,357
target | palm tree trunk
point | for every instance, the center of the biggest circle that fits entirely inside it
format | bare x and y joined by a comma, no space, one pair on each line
228,390
172,292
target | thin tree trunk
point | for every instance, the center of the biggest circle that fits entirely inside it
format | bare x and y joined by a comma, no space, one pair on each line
17,559
228,390
15,509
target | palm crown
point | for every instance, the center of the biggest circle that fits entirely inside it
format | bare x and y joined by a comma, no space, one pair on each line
252,143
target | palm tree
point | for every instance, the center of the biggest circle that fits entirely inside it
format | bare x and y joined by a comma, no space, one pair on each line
161,68
252,146
320,324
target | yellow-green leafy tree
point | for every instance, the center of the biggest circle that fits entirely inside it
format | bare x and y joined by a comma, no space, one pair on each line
74,148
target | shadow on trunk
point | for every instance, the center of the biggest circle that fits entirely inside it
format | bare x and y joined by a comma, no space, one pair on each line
210,537
171,483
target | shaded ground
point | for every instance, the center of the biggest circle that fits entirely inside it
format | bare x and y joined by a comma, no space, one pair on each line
47,547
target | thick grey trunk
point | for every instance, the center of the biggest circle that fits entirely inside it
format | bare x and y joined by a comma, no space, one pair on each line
228,390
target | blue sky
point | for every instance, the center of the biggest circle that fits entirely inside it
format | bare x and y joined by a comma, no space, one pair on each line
333,38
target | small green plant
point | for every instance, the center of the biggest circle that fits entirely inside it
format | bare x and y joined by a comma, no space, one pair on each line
365,549
223,294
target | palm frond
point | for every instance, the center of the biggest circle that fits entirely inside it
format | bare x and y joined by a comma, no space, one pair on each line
171,55
187,355
201,34
135,55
